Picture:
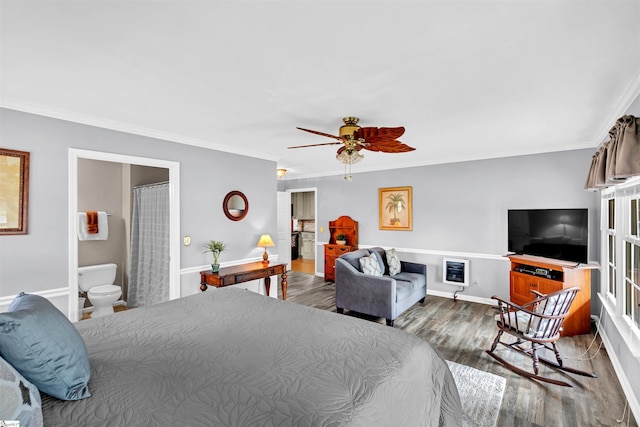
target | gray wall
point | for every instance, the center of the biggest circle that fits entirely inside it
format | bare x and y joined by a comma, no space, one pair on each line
39,261
460,208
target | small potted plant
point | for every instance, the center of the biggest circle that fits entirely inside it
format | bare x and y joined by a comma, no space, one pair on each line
341,239
216,248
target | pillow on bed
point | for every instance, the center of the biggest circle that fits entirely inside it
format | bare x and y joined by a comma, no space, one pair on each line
394,261
20,399
370,265
44,346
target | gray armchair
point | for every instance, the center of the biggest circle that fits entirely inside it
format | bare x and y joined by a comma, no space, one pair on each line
382,296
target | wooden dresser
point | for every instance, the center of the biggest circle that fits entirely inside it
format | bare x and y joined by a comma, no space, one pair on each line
343,225
547,275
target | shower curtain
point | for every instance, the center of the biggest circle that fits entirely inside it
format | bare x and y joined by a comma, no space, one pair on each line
149,277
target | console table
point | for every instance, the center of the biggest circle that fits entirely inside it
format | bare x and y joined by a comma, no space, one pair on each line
244,273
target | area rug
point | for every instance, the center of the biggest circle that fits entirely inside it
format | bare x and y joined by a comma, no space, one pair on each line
480,393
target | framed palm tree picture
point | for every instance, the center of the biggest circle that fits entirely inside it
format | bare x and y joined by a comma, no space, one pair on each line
395,207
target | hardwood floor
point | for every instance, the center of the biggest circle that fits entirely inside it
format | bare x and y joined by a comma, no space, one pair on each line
462,330
303,265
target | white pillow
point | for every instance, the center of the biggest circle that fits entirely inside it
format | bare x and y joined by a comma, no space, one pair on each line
20,399
393,261
370,265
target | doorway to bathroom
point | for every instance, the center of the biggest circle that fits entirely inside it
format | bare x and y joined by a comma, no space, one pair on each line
107,179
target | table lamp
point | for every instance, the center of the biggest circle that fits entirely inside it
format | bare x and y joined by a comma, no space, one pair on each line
265,242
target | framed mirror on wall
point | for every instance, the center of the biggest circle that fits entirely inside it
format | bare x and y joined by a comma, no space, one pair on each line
14,191
235,205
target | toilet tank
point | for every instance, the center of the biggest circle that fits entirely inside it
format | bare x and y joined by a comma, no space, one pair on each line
96,275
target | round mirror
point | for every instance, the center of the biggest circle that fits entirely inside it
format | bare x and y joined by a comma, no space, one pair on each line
235,205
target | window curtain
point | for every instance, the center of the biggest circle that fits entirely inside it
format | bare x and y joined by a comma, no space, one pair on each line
618,158
149,277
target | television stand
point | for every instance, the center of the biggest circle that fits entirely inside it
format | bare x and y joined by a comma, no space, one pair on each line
546,275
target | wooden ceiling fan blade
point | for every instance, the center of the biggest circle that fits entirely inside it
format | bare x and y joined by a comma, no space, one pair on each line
390,147
379,134
316,145
320,133
383,139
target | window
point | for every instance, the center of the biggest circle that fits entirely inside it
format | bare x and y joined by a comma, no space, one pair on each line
611,247
620,259
632,265
633,226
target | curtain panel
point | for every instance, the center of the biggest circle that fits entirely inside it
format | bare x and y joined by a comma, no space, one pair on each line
149,276
618,158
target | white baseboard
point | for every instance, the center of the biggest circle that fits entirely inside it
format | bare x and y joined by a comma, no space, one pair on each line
49,294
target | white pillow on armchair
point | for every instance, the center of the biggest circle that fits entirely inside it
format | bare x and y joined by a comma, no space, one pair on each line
370,265
393,260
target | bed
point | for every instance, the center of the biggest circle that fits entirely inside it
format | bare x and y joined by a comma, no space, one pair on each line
231,357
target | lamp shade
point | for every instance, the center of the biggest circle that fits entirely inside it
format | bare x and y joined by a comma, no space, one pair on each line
265,241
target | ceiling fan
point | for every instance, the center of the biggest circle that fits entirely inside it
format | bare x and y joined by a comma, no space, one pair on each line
354,138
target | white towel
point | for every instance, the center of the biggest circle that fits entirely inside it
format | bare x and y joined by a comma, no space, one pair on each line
103,227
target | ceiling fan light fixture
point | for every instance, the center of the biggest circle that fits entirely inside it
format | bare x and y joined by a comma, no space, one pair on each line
349,157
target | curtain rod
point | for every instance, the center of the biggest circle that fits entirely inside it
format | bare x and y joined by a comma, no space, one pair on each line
151,185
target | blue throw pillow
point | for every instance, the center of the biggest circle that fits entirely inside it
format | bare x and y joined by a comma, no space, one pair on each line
44,346
20,399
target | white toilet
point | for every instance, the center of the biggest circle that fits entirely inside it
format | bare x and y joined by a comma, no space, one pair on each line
97,281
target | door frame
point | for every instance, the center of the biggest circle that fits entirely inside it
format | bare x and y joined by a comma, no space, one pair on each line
315,209
174,220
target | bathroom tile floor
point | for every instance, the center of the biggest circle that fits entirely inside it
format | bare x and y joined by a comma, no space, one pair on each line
117,308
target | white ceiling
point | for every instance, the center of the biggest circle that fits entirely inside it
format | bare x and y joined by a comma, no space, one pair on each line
468,80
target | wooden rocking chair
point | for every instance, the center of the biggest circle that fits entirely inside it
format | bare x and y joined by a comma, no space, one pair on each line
538,322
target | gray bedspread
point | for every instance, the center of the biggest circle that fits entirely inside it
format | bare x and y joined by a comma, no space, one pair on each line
230,357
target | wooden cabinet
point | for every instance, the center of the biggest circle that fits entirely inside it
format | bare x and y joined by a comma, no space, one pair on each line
547,275
309,205
331,252
343,225
304,205
297,205
307,248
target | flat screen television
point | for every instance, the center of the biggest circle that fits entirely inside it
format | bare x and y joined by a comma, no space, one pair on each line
552,233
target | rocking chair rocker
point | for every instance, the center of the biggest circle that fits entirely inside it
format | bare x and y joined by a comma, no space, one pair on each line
538,322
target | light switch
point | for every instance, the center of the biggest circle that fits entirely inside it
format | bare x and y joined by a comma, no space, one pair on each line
322,229
187,240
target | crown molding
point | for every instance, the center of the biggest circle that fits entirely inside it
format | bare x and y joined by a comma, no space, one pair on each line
132,129
620,109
